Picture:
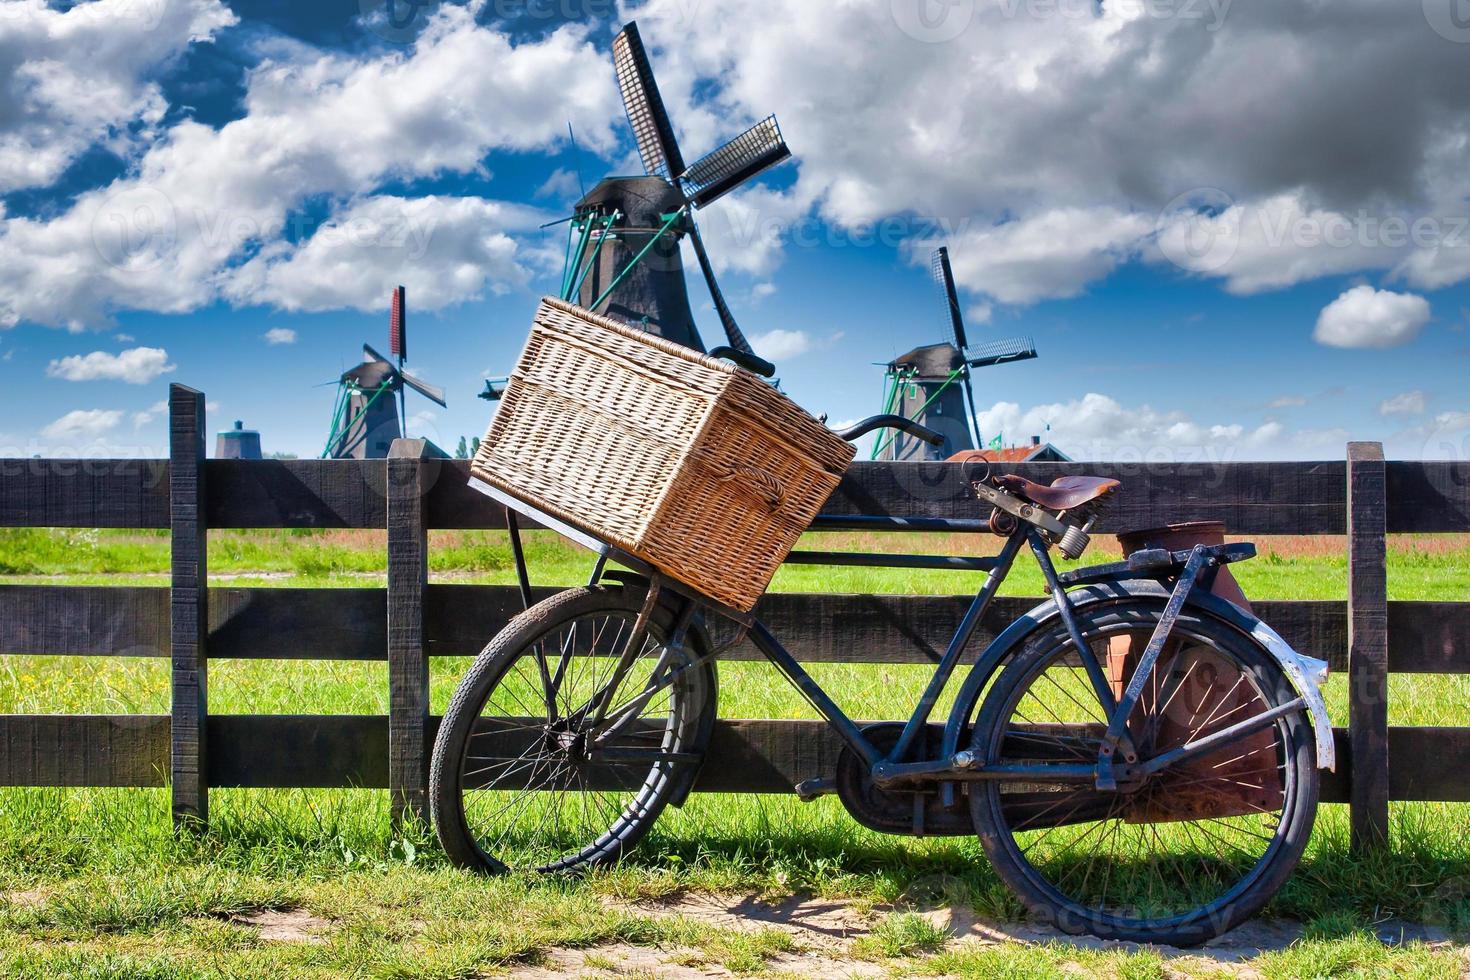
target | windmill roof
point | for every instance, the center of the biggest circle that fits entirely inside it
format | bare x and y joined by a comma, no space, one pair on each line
930,361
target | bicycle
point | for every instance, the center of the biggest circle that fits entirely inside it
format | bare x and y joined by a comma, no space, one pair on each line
1137,756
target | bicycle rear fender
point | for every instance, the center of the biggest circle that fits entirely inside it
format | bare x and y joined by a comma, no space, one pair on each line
1305,673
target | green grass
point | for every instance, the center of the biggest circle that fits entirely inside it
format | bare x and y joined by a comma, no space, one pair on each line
107,889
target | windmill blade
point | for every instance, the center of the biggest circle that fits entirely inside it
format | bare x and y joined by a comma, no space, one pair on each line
727,319
424,388
1001,351
398,325
944,279
645,107
716,174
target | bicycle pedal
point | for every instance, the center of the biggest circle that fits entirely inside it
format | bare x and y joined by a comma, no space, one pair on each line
809,789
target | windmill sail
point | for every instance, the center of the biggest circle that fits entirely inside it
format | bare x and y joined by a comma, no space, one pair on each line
716,174
944,280
397,323
645,107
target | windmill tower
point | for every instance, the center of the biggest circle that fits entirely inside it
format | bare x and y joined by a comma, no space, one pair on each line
623,254
371,401
932,384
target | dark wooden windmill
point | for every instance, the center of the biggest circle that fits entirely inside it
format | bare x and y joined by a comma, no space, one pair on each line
371,402
623,255
932,384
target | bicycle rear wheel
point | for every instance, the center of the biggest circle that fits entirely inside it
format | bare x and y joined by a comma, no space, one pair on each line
1178,857
521,776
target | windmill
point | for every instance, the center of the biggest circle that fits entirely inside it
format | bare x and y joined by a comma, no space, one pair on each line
932,384
623,256
371,401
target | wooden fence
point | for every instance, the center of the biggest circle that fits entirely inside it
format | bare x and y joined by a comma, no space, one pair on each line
191,750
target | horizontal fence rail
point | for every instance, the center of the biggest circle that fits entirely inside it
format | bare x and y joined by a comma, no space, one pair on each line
1364,637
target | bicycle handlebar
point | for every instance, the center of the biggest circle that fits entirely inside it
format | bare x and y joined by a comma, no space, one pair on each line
891,422
751,363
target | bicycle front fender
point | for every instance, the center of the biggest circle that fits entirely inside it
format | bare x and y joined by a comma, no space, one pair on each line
1305,673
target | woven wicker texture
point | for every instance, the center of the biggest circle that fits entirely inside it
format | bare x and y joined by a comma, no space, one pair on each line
698,468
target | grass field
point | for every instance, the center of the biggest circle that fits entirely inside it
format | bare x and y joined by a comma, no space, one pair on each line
96,884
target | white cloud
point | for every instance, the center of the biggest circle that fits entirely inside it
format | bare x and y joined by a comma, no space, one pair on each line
1368,317
1287,401
72,78
83,425
1055,109
781,345
762,291
980,313
1409,403
563,183
147,415
166,236
1097,426
276,336
444,249
137,366
1052,254
124,338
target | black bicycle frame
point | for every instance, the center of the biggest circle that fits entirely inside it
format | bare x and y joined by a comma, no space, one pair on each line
895,765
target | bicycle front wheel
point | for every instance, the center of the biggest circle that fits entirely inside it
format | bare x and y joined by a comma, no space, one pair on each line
550,758
1178,857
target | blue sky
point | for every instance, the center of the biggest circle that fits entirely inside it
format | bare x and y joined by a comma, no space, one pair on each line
1192,207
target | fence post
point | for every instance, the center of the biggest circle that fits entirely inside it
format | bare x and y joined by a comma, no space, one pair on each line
188,608
409,479
1367,526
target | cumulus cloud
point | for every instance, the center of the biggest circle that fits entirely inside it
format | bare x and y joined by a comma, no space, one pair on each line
1097,426
276,336
444,249
1409,403
137,366
1051,118
147,415
83,425
1368,317
73,78
168,235
781,345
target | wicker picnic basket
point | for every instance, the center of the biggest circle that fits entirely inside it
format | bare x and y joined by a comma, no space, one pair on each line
698,468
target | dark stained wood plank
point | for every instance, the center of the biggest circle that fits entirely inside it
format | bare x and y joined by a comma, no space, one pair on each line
1368,644
298,751
409,475
84,620
351,624
120,493
1429,496
188,607
321,493
747,755
1251,498
84,750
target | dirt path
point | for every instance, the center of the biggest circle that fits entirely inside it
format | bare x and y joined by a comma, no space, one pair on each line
823,932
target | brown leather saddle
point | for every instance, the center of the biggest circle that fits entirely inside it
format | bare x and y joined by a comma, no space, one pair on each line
1065,493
